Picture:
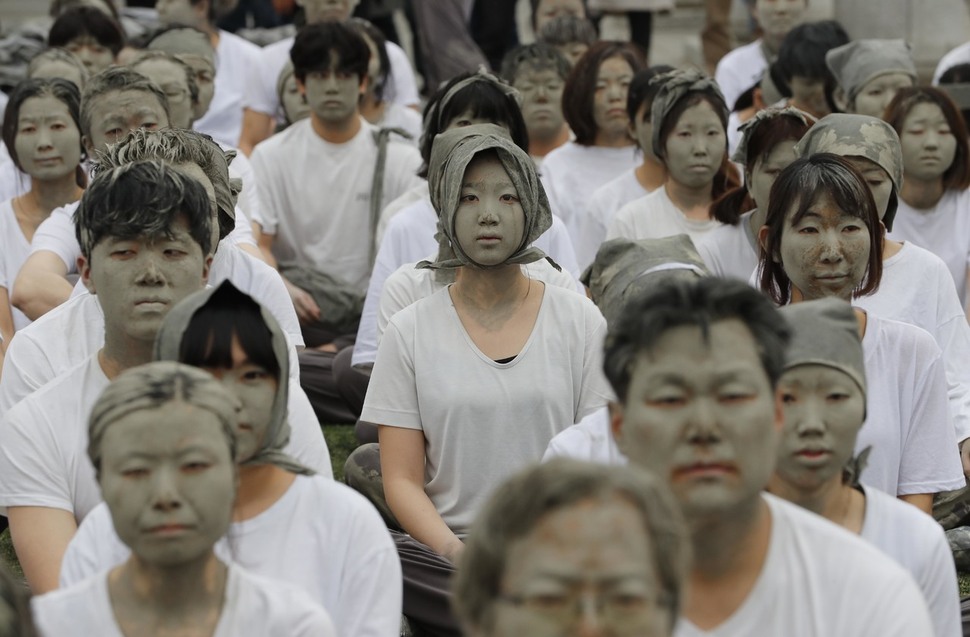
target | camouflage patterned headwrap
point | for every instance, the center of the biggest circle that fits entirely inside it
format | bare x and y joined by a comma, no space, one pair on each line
747,129
857,63
451,153
851,135
677,84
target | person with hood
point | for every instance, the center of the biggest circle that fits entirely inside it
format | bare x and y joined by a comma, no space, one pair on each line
869,73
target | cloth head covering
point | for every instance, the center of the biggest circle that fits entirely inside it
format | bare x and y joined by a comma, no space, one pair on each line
156,384
860,136
482,75
185,41
451,153
168,344
825,332
747,129
624,269
675,85
856,63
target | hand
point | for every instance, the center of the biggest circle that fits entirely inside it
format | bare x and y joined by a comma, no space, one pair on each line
453,551
306,308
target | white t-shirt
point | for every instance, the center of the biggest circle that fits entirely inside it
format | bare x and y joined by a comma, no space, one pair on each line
403,117
236,58
819,580
500,416
14,250
733,135
956,56
13,181
248,200
316,196
917,288
261,93
943,230
917,543
572,173
739,70
730,251
321,536
591,439
654,217
603,206
254,607
908,425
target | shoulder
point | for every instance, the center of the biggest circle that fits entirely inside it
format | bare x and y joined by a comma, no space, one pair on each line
70,603
902,340
280,607
885,511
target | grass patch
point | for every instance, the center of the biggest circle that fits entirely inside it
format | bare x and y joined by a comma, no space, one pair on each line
340,441
8,556
963,579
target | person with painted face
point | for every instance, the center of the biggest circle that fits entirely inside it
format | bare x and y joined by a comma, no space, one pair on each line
688,136
558,536
767,146
870,73
41,130
695,366
177,81
292,101
545,11
822,238
594,103
162,442
145,231
936,163
823,388
802,75
193,47
445,445
345,558
538,72
570,34
261,106
90,34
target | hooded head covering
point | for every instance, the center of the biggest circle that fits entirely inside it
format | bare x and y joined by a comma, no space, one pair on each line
451,153
482,75
747,129
825,332
623,269
185,41
675,85
860,136
857,63
168,344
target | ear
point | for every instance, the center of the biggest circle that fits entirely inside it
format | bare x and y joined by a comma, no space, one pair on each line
779,410
300,86
206,266
84,267
88,146
763,237
364,83
616,424
841,100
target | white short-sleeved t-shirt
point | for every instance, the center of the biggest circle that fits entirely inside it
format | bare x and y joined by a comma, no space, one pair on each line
591,440
943,230
13,181
14,250
739,70
403,117
254,607
605,202
956,56
730,251
917,543
819,580
500,416
654,217
235,60
315,196
344,559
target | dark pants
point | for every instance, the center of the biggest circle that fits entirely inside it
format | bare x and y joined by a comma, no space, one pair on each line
494,30
317,375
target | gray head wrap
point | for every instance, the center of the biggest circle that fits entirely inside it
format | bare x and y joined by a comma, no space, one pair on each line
482,75
623,269
825,332
675,85
168,344
747,129
451,153
857,63
185,41
156,384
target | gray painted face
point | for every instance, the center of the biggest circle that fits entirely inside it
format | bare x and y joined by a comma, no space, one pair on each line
93,55
875,95
489,222
696,147
317,11
294,104
928,144
170,77
609,101
332,96
48,142
541,91
115,114
549,10
179,12
59,69
767,169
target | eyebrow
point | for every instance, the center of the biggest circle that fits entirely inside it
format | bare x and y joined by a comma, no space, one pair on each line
481,183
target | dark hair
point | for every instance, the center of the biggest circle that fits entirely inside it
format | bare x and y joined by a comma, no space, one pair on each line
797,188
316,46
116,79
207,340
60,6
142,199
580,89
567,29
64,91
16,619
534,6
537,56
483,99
803,50
761,141
642,90
87,21
372,33
700,303
957,176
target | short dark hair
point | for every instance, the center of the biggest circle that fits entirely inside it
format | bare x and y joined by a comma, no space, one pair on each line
116,79
142,199
700,303
957,176
642,90
537,57
58,7
567,29
803,50
316,46
87,21
580,89
796,189
382,90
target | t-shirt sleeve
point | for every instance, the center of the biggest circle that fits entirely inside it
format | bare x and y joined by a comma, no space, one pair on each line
32,470
269,198
261,89
595,391
402,76
365,349
56,234
938,582
94,548
25,370
622,225
392,395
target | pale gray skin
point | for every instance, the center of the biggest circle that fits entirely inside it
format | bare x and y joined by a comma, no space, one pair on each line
317,11
875,95
115,114
294,104
94,56
332,99
170,77
549,10
609,102
489,222
928,144
48,143
541,91
696,147
181,12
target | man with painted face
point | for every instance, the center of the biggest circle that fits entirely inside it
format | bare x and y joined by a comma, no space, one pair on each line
146,235
869,73
695,367
538,72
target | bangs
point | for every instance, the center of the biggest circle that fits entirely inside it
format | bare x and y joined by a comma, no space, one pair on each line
207,341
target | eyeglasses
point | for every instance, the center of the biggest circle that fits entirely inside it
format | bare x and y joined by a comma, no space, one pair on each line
621,610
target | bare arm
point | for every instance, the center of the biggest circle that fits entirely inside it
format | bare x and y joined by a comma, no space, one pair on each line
256,127
41,285
922,501
402,465
6,321
265,243
40,536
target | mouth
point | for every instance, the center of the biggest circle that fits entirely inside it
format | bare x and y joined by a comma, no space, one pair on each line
168,530
832,278
616,112
151,304
48,161
488,238
813,456
704,470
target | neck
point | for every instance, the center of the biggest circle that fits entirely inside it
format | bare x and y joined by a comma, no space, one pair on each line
194,585
730,543
608,139
890,248
336,133
772,43
490,289
833,500
542,146
651,173
260,486
372,109
115,357
693,202
45,196
920,193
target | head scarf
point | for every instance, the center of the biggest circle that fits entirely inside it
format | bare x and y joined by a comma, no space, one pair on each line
675,85
747,129
624,269
482,75
185,41
451,153
168,344
825,332
857,63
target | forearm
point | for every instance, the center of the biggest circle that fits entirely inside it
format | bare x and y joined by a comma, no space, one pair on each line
40,537
922,501
256,127
37,293
417,514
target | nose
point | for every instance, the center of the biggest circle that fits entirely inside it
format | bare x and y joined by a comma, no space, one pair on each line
150,272
165,493
932,139
699,145
615,91
807,419
43,137
702,422
831,251
590,622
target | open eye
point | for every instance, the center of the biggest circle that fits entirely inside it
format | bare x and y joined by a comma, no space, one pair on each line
509,198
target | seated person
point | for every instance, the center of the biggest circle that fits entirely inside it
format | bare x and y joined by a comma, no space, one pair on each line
571,35
800,70
90,34
869,73
539,74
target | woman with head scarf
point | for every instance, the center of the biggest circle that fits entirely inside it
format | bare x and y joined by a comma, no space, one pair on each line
471,383
870,73
288,524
